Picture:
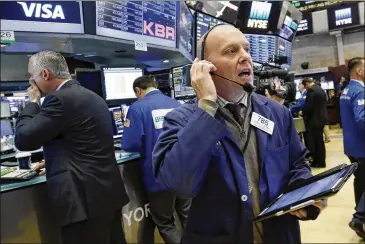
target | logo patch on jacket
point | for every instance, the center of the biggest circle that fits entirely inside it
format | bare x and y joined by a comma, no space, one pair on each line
360,102
158,116
127,123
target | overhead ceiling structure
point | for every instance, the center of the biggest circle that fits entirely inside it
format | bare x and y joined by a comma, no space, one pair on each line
97,49
225,10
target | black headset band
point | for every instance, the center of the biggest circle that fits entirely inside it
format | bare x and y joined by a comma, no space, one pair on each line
205,39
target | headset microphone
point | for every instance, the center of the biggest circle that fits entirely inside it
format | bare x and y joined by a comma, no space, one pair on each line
247,86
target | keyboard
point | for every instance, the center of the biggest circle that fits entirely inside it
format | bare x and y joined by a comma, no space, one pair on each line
18,175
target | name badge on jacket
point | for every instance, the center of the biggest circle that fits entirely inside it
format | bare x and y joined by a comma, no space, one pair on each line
262,123
158,115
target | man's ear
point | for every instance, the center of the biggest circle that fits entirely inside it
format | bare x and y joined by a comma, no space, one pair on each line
46,74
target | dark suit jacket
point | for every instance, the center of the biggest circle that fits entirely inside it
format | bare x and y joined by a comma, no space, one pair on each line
74,127
315,108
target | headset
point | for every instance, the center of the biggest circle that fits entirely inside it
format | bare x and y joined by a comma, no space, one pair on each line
247,86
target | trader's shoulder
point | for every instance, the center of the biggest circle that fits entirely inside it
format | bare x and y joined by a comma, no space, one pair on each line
278,110
184,111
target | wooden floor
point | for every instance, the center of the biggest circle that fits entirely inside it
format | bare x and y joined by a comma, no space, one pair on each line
332,225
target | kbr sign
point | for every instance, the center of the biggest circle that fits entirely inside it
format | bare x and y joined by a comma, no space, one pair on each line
41,11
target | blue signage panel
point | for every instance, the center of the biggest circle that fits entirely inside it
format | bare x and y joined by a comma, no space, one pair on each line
35,16
153,21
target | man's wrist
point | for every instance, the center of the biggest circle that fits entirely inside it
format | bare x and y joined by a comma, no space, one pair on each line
208,106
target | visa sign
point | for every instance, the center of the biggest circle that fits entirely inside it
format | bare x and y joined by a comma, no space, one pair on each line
40,10
259,15
343,16
158,30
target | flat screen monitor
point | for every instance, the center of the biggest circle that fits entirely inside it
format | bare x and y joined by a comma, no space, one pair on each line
162,80
288,28
117,83
205,22
186,32
117,119
182,83
305,26
6,129
90,80
5,109
152,22
262,47
15,102
259,17
343,16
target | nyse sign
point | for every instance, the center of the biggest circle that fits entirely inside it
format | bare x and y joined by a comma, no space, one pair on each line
255,23
343,16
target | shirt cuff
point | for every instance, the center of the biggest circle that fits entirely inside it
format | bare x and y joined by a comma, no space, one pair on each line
208,106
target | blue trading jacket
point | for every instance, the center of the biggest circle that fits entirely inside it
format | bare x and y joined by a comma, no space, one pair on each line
145,118
352,117
198,157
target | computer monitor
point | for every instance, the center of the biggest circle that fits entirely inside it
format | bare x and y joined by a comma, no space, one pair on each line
117,83
118,120
182,83
15,102
162,80
331,85
90,79
5,109
6,129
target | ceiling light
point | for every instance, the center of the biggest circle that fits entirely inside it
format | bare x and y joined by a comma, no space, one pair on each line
166,61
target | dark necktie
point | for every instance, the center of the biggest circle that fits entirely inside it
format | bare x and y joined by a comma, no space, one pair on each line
235,110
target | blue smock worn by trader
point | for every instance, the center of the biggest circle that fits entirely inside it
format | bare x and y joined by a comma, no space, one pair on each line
299,105
197,156
352,117
144,123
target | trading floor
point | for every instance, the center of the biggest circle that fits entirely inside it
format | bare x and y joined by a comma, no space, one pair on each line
332,225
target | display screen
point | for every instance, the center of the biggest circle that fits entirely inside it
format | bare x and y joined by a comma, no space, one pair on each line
305,192
259,17
305,26
343,16
262,47
162,80
5,109
42,16
15,103
6,129
311,6
285,49
118,82
117,117
204,23
327,85
186,31
90,80
182,83
149,21
288,28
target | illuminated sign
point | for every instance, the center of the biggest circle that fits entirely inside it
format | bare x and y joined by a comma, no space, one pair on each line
343,16
36,16
259,15
40,10
304,6
305,26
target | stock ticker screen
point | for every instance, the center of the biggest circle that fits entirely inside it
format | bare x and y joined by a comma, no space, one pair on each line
186,31
150,21
285,49
262,47
288,28
182,83
204,23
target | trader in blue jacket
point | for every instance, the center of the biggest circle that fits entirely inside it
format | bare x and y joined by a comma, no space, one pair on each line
353,120
233,151
141,130
299,105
